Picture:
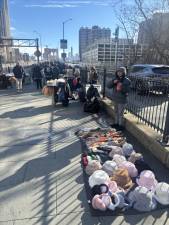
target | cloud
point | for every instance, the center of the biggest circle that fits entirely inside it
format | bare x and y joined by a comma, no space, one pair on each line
52,6
69,4
12,28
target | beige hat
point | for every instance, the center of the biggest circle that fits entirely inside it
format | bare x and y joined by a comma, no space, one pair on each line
122,178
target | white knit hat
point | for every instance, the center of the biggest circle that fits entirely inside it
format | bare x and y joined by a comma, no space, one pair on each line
162,193
98,177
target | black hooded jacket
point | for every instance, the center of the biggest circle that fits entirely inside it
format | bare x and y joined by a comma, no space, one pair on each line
120,89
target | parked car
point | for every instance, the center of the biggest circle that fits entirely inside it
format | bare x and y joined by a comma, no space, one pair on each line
147,78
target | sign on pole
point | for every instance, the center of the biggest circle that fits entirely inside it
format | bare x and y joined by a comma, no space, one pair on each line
37,53
63,44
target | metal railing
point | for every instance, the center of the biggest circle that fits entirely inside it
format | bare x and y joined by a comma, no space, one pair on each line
148,100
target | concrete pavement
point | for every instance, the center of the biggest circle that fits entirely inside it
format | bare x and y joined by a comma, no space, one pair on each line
41,181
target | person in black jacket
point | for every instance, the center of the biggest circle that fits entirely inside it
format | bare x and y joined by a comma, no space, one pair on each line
120,86
37,76
18,73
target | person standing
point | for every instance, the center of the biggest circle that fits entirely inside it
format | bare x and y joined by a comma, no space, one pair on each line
93,77
48,72
121,87
18,73
37,76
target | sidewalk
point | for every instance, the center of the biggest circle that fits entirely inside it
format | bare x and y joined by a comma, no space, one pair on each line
41,181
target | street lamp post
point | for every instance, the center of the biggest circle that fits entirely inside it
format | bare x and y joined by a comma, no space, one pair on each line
40,39
64,32
116,47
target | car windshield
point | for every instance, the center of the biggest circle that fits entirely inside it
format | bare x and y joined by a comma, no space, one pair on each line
161,70
136,69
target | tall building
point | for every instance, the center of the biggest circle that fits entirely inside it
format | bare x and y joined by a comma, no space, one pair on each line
26,57
154,29
4,30
4,19
108,53
88,35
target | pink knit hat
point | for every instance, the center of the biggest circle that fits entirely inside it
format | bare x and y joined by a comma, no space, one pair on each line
147,179
130,167
113,188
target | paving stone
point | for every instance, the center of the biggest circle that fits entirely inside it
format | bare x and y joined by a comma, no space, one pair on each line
63,219
40,168
154,218
26,152
29,200
6,223
12,173
71,195
67,151
25,137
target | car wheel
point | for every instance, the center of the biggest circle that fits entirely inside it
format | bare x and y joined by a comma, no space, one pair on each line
141,88
165,92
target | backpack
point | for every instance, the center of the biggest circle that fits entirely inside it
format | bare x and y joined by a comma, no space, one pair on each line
92,106
92,92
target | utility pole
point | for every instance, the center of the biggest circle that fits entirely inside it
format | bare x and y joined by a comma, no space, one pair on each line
63,25
40,39
37,49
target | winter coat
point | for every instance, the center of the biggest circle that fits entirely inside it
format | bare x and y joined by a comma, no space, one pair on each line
18,72
120,90
37,73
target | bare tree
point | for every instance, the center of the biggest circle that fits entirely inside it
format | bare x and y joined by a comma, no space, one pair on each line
150,15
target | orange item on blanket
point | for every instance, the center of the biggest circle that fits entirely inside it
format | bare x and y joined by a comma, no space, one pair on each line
48,91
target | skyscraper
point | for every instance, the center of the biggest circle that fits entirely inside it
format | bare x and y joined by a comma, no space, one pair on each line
5,53
4,19
88,35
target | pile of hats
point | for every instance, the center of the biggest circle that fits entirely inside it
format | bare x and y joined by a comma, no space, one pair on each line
118,176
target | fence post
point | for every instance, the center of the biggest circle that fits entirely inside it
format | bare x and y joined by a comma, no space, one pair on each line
166,128
104,83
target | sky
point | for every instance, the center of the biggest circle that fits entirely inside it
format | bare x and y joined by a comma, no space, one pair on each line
46,17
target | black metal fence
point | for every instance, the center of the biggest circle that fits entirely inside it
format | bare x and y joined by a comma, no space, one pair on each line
148,100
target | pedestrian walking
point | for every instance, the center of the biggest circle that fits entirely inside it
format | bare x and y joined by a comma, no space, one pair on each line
37,76
18,73
120,89
48,72
55,71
